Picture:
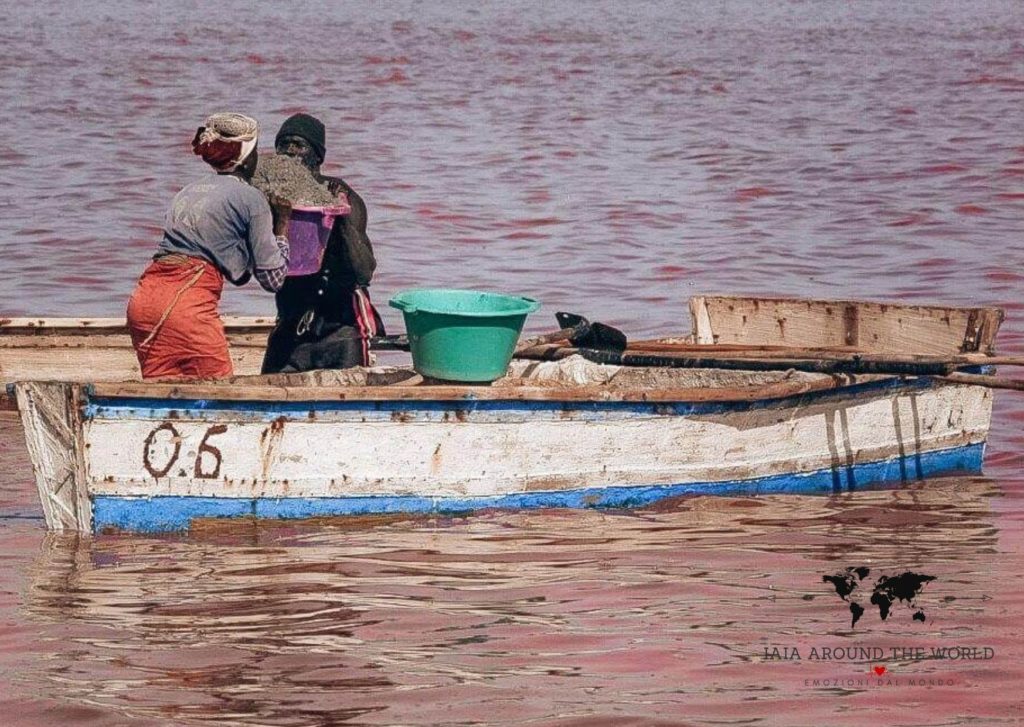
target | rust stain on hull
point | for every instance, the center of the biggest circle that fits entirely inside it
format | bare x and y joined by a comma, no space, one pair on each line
435,460
270,440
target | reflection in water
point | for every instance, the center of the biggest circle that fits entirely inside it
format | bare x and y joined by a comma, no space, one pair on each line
451,621
606,157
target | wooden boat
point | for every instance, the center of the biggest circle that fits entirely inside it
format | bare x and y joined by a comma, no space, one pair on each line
116,454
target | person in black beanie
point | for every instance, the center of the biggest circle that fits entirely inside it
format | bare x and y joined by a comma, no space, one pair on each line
325,320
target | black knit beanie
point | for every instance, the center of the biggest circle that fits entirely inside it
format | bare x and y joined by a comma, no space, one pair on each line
309,128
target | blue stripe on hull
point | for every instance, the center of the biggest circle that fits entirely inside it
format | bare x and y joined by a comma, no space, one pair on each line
162,514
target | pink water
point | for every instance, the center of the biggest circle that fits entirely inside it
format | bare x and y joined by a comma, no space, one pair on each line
606,158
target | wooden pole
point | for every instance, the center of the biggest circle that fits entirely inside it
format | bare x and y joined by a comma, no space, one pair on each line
992,382
832,363
824,354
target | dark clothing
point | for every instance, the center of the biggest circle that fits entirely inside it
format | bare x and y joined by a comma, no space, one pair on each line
309,128
321,323
324,345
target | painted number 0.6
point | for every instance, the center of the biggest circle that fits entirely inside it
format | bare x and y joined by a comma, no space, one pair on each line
157,462
162,449
204,448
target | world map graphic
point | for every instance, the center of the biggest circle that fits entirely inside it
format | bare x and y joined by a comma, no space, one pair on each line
887,591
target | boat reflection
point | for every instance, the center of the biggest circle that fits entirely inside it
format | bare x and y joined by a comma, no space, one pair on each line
428,621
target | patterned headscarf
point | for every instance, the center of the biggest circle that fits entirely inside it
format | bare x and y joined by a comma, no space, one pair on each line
225,140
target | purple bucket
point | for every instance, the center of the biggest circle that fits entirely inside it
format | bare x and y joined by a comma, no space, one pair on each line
308,232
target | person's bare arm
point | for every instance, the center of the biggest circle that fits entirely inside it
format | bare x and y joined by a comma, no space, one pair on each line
357,243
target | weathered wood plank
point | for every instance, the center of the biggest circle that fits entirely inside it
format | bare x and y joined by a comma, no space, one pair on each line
871,327
100,349
97,364
51,417
256,392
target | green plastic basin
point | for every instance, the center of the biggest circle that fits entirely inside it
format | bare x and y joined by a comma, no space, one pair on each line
462,335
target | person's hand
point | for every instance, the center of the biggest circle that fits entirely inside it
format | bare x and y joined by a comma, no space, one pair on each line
281,209
337,190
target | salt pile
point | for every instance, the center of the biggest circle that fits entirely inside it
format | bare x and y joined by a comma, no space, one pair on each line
284,176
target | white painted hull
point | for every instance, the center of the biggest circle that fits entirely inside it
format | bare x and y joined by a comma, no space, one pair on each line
485,453
208,458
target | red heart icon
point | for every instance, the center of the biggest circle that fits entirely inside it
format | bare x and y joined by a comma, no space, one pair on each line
879,670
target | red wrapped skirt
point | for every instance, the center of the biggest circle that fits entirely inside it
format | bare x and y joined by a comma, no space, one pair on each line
174,322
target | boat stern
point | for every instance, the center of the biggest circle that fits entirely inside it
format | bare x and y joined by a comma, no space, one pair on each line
51,415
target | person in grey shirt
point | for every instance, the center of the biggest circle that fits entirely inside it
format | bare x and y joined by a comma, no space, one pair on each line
217,228
223,220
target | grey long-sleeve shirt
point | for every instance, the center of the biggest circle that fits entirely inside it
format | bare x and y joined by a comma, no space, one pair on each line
223,220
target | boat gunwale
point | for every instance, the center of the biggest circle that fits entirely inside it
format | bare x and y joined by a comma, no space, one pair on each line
13,325
91,326
45,332
175,391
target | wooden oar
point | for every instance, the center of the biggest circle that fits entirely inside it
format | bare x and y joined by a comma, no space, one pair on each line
659,346
992,382
852,365
840,353
942,367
